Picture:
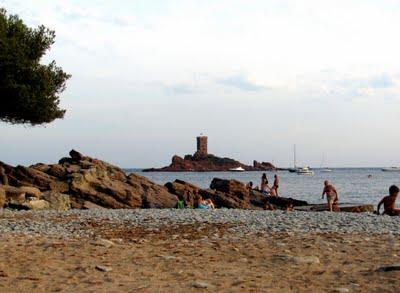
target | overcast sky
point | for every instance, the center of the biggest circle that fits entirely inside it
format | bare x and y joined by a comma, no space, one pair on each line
255,76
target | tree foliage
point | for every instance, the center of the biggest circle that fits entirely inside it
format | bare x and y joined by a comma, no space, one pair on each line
29,90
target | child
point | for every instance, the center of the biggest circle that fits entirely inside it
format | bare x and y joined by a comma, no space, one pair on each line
389,202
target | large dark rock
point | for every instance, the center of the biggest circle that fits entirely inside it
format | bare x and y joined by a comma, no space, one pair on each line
89,182
232,187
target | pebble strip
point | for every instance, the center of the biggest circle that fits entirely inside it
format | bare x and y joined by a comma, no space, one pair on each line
244,222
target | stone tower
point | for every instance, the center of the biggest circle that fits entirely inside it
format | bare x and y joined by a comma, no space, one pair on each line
201,146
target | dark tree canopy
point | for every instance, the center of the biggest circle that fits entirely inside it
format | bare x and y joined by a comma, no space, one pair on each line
29,91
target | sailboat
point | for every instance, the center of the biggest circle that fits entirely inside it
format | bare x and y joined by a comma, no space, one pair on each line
324,169
299,170
294,169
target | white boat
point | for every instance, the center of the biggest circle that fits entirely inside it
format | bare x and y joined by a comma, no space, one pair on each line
238,169
326,170
391,169
305,171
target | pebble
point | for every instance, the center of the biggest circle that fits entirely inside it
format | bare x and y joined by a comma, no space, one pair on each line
390,268
102,242
200,284
242,222
341,290
103,269
305,260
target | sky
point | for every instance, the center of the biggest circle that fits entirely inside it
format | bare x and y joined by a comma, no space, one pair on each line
256,77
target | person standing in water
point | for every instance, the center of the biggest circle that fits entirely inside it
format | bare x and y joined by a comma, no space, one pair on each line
331,194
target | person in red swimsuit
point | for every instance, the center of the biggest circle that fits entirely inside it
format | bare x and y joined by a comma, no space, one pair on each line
389,202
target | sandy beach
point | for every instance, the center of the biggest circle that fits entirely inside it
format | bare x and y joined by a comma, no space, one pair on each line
141,251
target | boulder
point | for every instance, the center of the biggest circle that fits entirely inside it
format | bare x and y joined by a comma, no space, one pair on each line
37,205
75,155
232,187
152,195
3,176
13,194
30,191
2,197
57,201
220,199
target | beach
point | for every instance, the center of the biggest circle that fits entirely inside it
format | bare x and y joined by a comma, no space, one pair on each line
191,250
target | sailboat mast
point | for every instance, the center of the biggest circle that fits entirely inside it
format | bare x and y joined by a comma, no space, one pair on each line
294,156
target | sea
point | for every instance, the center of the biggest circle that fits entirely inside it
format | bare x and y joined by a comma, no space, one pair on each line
354,185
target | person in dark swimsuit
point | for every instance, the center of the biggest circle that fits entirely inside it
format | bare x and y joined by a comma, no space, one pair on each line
389,202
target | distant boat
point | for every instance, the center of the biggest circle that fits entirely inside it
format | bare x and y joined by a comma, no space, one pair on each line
299,170
305,171
238,169
323,162
391,169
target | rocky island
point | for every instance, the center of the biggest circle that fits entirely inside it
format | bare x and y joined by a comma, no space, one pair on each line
202,161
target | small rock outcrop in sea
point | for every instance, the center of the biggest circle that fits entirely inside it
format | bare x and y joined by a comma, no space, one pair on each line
202,161
209,163
79,182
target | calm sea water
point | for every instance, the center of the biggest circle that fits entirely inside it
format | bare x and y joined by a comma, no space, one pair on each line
353,185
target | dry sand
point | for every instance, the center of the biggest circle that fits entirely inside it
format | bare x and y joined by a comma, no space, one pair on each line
185,259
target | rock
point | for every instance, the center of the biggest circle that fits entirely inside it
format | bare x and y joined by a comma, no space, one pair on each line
87,205
390,268
283,202
103,268
2,197
233,187
152,195
13,194
200,284
3,176
305,260
76,155
341,290
57,201
30,191
37,204
102,242
220,199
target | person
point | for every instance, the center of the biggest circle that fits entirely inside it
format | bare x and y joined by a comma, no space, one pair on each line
389,202
275,186
331,194
181,203
249,186
264,184
204,203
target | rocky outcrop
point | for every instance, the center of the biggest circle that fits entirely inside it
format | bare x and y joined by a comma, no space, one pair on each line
208,163
228,194
87,182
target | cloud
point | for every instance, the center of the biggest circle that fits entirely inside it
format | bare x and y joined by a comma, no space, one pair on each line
179,89
382,81
241,82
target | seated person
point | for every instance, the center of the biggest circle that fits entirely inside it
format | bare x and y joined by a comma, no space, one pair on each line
249,186
204,203
181,203
389,202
